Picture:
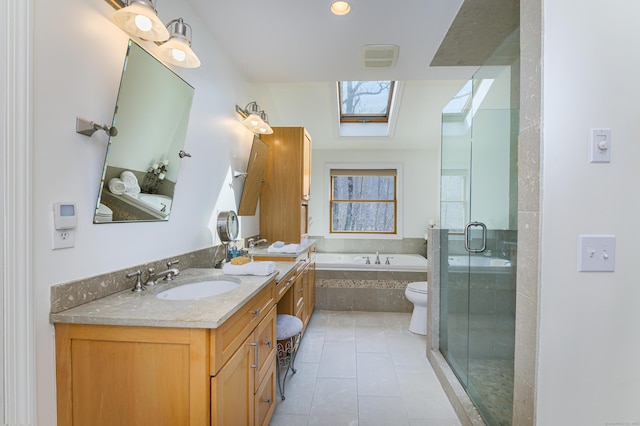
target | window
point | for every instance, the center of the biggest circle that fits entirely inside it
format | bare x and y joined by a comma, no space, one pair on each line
365,101
363,201
453,200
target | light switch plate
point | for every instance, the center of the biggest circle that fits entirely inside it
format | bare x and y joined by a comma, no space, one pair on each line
600,146
596,253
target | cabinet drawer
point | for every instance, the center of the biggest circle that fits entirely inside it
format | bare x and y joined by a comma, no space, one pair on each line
227,338
265,399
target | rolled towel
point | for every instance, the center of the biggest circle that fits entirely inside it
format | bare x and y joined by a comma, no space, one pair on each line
117,186
133,190
287,248
129,179
251,268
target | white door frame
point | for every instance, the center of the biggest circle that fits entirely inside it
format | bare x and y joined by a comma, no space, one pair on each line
18,322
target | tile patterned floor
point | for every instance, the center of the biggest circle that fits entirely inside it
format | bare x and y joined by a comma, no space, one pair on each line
363,369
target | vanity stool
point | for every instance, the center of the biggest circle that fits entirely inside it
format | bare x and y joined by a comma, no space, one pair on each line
288,333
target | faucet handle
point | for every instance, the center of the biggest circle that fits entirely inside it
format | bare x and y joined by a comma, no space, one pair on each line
138,274
387,261
173,262
368,262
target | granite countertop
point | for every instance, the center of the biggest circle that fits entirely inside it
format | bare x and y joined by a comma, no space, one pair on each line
129,308
262,250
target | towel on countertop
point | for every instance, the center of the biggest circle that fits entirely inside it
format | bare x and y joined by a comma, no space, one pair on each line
251,268
278,244
287,248
117,186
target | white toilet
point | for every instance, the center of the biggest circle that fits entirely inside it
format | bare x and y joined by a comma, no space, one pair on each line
417,294
104,214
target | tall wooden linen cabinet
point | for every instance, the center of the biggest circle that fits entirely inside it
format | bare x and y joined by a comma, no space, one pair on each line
284,197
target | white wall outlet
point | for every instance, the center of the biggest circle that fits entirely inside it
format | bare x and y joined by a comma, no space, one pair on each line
61,238
600,146
596,253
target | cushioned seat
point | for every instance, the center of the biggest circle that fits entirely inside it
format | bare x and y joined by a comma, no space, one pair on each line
288,333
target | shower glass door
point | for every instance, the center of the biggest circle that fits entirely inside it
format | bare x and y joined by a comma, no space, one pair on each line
479,238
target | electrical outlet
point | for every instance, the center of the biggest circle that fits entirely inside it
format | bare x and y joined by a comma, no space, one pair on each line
62,238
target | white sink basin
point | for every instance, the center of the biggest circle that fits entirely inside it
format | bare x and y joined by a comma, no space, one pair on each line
197,290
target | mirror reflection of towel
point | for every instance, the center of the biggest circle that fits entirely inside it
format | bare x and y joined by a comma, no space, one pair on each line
117,186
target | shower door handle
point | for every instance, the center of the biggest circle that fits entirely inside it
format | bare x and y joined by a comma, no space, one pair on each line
467,246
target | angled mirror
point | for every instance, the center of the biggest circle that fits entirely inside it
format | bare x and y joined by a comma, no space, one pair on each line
143,159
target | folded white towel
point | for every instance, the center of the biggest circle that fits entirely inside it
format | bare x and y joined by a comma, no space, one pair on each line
133,190
117,186
287,248
251,268
129,179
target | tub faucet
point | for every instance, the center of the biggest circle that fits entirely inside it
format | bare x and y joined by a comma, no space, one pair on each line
253,244
368,261
377,258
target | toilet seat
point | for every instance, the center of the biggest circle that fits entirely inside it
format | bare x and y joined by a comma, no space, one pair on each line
418,287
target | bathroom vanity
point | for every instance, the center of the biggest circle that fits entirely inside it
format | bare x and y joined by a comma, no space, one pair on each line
133,358
296,292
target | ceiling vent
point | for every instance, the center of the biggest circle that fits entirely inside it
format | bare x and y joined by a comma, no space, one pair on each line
379,56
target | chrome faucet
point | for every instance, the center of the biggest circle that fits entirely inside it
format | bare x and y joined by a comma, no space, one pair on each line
253,243
387,262
368,261
168,274
377,262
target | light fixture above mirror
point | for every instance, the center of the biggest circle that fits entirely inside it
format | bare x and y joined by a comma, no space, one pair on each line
140,18
177,50
255,119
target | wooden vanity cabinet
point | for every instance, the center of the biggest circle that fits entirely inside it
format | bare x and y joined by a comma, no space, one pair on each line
126,375
285,193
296,293
243,391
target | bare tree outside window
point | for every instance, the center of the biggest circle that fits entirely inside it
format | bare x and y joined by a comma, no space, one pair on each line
363,203
365,101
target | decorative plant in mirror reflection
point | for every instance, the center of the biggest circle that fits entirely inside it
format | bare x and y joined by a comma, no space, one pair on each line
155,176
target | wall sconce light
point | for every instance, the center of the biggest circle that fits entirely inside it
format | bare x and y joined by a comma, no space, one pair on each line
177,50
140,18
88,128
255,119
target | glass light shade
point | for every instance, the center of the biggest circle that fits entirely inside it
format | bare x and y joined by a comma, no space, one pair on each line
257,125
177,51
141,21
340,8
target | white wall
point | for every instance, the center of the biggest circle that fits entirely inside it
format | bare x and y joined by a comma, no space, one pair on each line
78,60
421,171
589,344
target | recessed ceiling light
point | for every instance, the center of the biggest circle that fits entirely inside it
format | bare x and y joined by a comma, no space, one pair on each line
340,8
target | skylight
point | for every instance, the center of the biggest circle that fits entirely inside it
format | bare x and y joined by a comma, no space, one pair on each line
365,101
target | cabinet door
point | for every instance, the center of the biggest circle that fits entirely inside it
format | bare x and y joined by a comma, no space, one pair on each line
298,296
109,375
265,402
265,346
232,389
306,167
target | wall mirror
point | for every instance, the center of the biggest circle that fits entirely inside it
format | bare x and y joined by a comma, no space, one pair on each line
254,178
143,159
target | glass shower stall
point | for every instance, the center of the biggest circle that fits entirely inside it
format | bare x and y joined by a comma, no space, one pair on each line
478,238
